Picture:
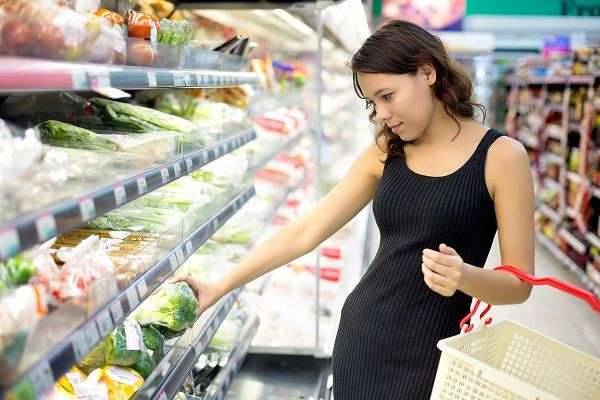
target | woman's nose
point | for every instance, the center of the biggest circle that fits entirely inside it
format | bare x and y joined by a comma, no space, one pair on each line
382,114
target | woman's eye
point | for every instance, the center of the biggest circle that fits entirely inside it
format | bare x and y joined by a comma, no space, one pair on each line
387,97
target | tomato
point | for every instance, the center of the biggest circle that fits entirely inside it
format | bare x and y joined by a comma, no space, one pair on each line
15,33
140,53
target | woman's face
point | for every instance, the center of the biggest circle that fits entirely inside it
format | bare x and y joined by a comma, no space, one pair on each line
404,102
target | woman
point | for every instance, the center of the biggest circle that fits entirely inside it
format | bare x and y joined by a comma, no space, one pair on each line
442,185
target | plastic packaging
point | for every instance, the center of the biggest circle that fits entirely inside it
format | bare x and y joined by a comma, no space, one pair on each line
46,30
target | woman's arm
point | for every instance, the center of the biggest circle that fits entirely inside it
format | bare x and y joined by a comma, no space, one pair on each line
509,176
303,235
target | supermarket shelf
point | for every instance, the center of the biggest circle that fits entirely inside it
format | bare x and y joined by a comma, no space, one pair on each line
548,108
552,80
528,141
567,263
570,211
552,184
293,351
222,382
553,158
73,348
267,278
36,227
289,144
264,102
550,213
28,74
574,126
573,241
574,177
593,239
169,374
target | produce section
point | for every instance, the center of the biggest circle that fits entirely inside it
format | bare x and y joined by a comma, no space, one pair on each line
556,118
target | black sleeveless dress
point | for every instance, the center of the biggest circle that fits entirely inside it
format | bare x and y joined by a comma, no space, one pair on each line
391,322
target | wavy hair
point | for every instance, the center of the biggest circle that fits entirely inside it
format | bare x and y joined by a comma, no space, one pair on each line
401,47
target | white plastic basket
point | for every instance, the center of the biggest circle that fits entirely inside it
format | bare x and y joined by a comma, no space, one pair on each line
506,361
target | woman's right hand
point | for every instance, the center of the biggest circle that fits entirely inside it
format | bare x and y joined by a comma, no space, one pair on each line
207,293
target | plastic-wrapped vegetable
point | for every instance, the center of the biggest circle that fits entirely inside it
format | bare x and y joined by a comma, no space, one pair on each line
19,270
61,134
123,346
154,341
145,364
172,309
113,382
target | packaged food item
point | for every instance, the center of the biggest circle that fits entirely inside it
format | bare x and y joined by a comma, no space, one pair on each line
61,134
171,310
47,29
112,17
113,382
124,346
71,380
140,25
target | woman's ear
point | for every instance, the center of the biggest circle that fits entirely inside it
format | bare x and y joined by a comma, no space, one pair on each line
429,73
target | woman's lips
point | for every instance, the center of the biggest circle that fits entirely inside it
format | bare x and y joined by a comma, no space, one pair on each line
396,128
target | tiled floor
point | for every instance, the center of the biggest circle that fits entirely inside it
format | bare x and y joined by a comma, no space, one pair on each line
548,311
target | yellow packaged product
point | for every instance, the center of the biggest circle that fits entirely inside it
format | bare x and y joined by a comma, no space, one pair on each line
71,379
121,383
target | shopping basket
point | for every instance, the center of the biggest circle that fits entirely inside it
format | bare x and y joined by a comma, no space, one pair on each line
506,361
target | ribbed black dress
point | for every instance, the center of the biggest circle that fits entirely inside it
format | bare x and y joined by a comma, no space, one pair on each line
391,322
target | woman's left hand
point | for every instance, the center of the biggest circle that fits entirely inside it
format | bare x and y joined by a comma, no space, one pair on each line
442,270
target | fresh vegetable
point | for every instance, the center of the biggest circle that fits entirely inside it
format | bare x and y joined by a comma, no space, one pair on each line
110,222
154,341
19,270
140,25
114,349
158,118
140,52
173,306
61,134
175,33
145,364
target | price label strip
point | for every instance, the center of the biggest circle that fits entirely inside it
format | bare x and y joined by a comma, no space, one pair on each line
189,248
173,261
142,289
132,298
116,309
120,195
189,164
180,256
91,334
177,169
151,79
164,172
142,185
41,377
179,79
80,345
9,242
87,209
46,226
104,322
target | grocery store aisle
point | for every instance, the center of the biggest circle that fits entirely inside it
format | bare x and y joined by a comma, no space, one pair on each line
548,311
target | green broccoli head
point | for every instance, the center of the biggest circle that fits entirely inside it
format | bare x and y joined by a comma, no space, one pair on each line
173,306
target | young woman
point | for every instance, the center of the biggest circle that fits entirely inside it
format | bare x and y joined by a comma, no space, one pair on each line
442,184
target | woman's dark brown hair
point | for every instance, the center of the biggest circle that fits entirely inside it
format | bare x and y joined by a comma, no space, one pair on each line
401,47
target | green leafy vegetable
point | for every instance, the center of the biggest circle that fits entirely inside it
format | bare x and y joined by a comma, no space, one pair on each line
113,349
148,115
154,341
20,270
173,306
60,134
145,364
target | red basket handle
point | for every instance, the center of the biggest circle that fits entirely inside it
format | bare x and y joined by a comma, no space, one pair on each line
588,297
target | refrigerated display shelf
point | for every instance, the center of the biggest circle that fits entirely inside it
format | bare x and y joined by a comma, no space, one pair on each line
222,382
36,227
572,241
553,158
552,80
28,74
278,204
567,263
593,239
550,213
552,184
169,374
74,348
287,145
574,177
